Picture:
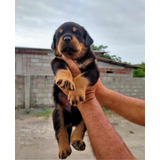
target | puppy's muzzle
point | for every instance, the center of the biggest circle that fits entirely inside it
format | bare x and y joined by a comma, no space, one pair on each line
68,45
67,38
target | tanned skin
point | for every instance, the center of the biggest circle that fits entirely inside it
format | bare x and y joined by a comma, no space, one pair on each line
110,145
130,108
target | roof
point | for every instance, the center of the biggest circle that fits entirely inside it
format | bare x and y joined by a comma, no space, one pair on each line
44,51
27,49
117,63
99,52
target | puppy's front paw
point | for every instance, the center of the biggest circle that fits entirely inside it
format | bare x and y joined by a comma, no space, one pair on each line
76,97
66,84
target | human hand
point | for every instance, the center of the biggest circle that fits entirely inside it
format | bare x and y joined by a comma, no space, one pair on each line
90,92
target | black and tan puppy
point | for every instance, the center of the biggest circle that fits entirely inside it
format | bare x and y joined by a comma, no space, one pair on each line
72,40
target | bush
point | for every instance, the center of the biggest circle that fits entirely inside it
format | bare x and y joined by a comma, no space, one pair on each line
139,72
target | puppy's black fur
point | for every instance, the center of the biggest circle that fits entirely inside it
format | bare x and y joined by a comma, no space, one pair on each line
72,40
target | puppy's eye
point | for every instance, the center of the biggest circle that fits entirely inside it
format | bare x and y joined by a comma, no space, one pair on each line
78,33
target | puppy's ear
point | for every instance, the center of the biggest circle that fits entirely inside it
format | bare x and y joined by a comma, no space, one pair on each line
53,46
87,38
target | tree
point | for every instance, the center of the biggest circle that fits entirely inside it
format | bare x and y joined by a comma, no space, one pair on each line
105,55
113,57
98,48
139,72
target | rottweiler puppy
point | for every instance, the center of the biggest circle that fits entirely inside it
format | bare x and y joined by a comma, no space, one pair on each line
72,40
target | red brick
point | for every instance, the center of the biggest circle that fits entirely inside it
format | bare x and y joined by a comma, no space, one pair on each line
33,53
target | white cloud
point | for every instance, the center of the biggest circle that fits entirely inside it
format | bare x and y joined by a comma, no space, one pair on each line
116,23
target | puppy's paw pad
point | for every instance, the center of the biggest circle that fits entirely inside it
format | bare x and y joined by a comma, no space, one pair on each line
59,82
75,97
79,145
66,84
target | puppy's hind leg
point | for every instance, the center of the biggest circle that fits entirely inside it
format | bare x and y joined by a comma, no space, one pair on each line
62,133
77,137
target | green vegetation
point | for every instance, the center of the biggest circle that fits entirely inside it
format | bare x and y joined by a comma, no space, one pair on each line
113,57
131,132
104,109
98,48
46,113
139,72
26,111
105,55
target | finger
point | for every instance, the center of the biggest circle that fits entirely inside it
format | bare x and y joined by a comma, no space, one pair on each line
72,65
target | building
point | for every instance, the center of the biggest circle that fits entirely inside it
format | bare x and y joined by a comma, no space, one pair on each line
35,61
34,77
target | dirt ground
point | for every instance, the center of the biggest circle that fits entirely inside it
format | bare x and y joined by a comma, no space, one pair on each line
35,140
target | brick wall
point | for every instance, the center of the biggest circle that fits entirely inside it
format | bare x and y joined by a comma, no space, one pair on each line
110,70
115,71
41,88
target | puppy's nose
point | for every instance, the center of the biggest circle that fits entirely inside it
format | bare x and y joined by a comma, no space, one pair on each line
67,38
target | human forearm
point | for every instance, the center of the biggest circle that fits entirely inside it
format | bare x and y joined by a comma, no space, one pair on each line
132,109
105,141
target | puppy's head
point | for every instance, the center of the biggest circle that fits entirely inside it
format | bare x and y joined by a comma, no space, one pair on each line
72,40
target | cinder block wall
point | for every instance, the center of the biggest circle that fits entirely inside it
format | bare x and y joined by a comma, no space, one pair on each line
33,64
133,87
19,91
41,89
30,64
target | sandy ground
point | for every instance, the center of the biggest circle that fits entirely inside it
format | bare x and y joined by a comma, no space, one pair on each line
35,138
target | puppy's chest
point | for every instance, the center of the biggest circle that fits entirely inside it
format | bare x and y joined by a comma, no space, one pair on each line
83,65
80,65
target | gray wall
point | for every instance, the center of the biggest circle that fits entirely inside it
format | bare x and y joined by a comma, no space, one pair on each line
40,91
133,87
34,80
30,64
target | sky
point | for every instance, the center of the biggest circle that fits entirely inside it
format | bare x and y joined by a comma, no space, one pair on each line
118,24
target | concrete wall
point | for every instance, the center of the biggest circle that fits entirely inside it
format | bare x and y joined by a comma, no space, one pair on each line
30,64
34,64
33,90
19,91
41,90
37,90
133,87
34,79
